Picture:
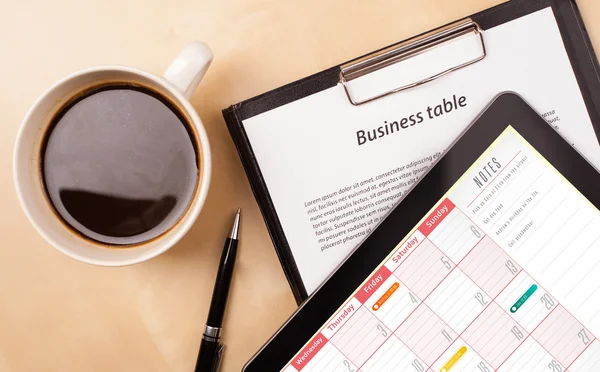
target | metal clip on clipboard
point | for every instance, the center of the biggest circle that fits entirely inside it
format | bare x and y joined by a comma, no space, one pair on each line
405,50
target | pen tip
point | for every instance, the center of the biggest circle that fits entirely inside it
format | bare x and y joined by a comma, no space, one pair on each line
236,225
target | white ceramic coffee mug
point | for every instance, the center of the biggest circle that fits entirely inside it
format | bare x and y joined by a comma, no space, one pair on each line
176,85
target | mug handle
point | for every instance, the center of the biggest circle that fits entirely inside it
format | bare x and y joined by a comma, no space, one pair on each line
188,68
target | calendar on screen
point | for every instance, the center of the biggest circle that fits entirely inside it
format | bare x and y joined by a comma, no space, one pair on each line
503,274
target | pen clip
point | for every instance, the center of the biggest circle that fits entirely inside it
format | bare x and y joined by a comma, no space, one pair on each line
219,357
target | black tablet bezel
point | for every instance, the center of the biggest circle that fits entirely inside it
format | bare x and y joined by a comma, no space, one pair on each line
506,109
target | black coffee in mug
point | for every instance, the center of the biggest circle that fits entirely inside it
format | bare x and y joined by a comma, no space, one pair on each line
120,164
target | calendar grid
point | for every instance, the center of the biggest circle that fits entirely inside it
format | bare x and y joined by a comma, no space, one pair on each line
457,337
456,265
341,352
581,353
485,307
525,271
529,334
422,302
446,276
452,297
380,346
480,315
394,331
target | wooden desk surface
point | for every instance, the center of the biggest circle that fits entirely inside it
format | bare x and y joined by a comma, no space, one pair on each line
57,314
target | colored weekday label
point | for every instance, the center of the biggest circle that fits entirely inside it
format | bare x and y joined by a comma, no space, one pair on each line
523,298
455,358
436,217
341,318
404,250
305,355
374,282
385,296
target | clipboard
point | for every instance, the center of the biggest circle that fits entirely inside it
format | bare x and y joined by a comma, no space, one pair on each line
573,34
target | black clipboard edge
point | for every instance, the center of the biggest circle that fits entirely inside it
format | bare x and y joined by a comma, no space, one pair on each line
570,23
234,115
286,94
267,209
586,71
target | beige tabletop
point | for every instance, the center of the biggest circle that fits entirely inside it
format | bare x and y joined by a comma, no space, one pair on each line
57,314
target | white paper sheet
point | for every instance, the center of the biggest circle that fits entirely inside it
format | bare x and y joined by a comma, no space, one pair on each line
329,191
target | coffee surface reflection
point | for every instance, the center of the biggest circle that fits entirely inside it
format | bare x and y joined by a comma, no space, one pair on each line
119,165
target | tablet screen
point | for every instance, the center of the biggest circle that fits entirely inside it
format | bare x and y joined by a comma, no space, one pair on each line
502,274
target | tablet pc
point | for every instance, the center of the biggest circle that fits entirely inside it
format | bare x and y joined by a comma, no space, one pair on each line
491,262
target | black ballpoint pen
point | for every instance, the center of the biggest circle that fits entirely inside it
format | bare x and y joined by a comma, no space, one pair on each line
211,350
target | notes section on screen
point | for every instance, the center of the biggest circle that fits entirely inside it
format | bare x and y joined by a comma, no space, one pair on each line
503,274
